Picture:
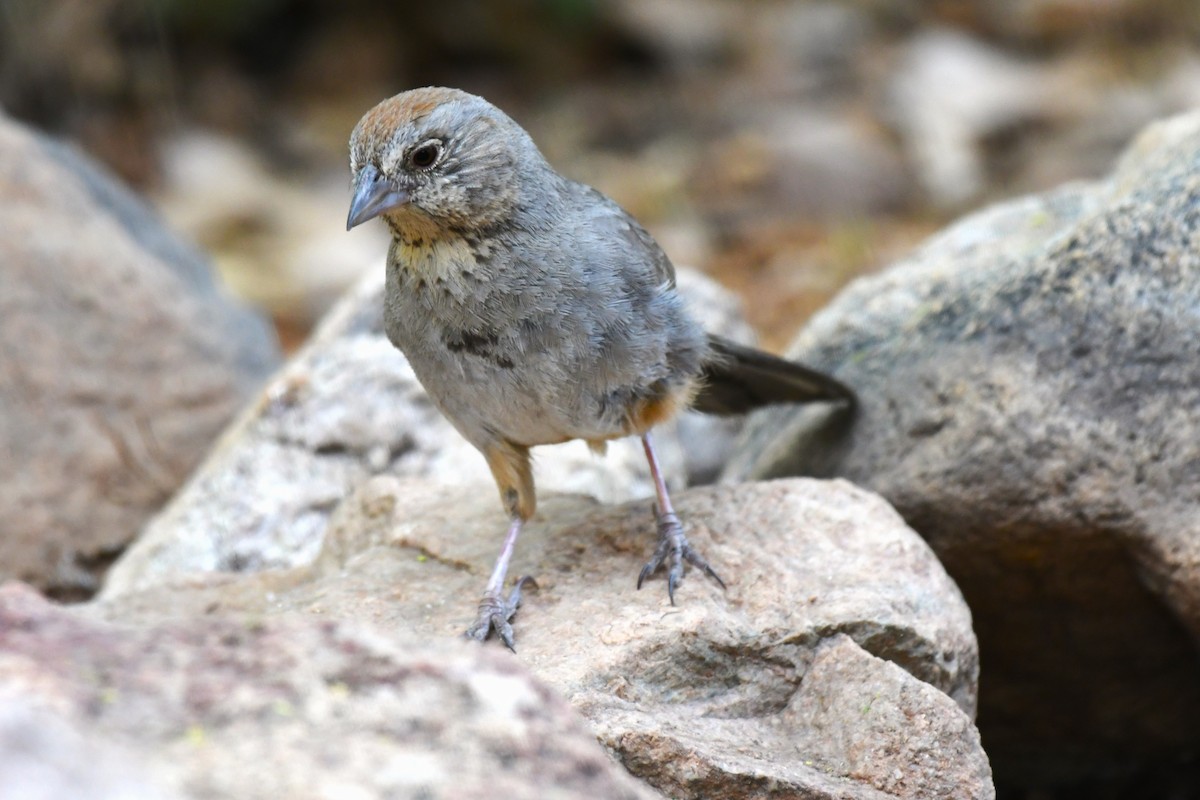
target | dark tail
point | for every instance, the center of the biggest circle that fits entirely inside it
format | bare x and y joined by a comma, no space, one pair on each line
738,379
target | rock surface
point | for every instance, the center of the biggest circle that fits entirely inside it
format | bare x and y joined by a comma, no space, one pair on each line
297,707
739,694
44,757
120,361
1030,386
349,406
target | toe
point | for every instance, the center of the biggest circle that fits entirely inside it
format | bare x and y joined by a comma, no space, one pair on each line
673,581
505,632
479,631
697,560
514,598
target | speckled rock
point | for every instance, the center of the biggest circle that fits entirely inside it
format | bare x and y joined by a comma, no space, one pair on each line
727,694
1030,386
300,707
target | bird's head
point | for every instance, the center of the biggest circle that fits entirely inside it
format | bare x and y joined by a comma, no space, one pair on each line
438,158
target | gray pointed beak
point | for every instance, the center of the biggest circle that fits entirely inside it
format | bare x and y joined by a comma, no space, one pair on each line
373,195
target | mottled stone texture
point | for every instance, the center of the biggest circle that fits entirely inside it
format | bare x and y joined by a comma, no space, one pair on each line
301,707
833,606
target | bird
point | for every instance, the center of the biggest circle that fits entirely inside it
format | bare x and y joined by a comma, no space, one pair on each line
534,311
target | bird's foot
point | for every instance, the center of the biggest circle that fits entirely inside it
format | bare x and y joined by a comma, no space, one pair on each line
674,549
495,612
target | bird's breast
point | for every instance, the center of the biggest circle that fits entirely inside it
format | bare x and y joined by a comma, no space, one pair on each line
435,259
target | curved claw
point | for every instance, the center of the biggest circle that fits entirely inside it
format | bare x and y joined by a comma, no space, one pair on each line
673,543
696,560
495,612
647,570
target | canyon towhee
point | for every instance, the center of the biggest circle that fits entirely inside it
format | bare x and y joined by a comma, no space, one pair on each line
534,310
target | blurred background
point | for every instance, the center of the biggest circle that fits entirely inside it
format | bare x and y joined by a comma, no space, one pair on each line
781,146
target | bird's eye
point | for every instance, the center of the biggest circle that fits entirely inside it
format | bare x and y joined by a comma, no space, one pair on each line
425,155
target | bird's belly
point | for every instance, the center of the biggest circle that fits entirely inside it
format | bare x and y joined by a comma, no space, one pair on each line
528,383
527,400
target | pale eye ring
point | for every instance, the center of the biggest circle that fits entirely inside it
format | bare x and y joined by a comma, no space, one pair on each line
426,154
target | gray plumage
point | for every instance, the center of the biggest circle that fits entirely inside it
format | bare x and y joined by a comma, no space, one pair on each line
534,310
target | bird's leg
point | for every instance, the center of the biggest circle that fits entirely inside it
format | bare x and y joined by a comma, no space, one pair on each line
494,610
514,477
672,543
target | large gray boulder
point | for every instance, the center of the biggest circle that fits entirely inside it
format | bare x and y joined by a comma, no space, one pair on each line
1030,387
120,361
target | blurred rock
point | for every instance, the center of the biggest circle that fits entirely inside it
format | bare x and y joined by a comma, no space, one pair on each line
44,757
767,684
279,243
1030,402
349,406
297,707
799,163
948,93
1110,114
687,33
706,440
121,360
821,40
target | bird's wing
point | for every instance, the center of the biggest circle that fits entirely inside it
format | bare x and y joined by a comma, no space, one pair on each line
638,237
610,218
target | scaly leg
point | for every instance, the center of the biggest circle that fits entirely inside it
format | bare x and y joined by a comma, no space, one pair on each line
671,540
494,610
510,467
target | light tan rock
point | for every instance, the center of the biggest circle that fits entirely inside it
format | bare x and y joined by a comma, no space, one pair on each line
715,687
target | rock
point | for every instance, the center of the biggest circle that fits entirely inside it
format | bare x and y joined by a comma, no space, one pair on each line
347,407
1109,116
947,93
720,696
44,757
854,720
279,242
801,45
800,161
919,744
1030,403
237,707
688,34
706,440
121,362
